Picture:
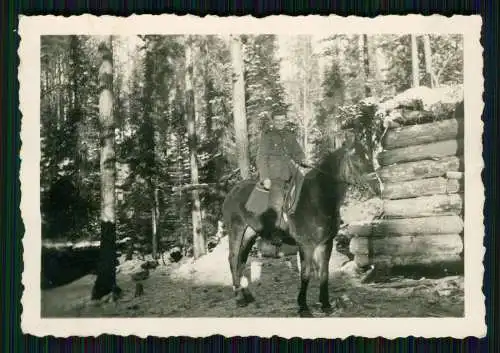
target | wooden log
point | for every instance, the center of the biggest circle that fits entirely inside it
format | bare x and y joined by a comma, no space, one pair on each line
424,133
81,245
412,116
449,224
433,244
409,260
421,187
420,169
420,152
357,229
455,175
424,206
191,187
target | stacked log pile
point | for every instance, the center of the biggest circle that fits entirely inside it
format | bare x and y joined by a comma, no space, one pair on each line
421,169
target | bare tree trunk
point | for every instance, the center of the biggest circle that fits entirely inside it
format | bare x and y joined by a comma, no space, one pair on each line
58,96
106,275
366,64
208,95
239,112
428,60
414,61
154,220
306,98
199,247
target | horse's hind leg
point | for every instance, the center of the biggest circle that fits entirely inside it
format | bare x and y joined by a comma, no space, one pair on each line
305,276
321,259
240,242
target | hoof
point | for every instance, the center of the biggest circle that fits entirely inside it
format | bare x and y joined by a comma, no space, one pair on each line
241,302
249,298
305,312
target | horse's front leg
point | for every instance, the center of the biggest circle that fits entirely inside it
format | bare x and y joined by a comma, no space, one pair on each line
240,242
305,254
321,257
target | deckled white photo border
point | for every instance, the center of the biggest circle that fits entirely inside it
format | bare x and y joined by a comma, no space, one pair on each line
30,30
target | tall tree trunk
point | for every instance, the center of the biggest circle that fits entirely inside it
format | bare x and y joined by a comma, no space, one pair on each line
239,112
106,275
428,60
148,154
414,61
155,213
366,65
58,96
208,96
199,247
75,107
61,92
306,96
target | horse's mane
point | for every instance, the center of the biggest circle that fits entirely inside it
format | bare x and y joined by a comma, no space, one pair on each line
342,167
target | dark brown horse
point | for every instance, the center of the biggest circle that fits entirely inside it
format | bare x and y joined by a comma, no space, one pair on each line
312,227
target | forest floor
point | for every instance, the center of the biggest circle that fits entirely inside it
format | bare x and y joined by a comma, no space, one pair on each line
204,289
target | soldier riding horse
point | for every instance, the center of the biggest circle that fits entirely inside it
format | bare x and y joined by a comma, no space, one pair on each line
279,162
311,225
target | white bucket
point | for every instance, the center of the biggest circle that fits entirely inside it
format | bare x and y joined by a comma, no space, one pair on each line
255,271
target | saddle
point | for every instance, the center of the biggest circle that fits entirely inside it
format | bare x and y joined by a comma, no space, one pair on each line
291,197
259,200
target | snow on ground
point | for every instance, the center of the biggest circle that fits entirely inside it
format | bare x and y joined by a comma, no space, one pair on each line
213,268
203,288
168,294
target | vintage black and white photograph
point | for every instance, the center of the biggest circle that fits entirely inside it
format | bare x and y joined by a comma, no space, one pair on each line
213,172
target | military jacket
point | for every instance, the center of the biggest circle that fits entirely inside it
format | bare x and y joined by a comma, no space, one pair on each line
277,149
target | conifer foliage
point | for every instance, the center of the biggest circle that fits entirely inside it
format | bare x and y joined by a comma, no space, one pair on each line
144,141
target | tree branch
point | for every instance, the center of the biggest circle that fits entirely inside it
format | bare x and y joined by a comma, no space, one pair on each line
53,88
191,187
198,186
440,72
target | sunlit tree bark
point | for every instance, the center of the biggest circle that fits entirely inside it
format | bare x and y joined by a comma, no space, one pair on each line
199,246
106,275
239,111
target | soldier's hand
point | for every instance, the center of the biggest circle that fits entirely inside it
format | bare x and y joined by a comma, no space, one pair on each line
267,183
304,164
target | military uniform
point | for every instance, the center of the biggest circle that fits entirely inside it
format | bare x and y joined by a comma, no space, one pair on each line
278,150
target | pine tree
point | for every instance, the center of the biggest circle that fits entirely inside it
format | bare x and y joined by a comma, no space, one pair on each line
199,246
106,273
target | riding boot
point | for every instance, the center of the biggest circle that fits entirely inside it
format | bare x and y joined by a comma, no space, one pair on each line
276,199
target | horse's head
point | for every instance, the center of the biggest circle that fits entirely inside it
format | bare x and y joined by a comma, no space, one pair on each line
349,164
